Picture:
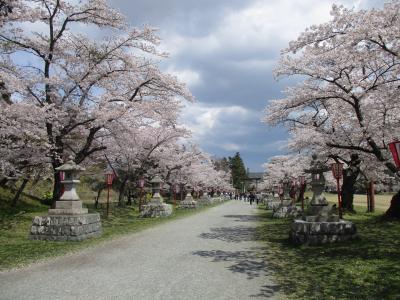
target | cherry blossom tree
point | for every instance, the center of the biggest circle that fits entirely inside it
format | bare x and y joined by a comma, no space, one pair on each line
188,165
357,165
350,67
81,85
136,151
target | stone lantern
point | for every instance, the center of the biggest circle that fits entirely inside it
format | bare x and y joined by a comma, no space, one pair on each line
69,202
68,220
156,186
320,224
188,202
286,207
156,207
286,182
318,205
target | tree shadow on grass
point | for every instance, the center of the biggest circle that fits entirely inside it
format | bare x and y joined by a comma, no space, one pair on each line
366,268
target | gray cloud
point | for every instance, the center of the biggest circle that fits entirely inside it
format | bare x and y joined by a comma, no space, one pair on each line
226,51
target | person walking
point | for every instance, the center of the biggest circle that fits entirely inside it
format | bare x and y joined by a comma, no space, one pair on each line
251,198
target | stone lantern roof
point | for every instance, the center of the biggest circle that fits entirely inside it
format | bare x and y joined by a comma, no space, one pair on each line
156,179
70,166
317,166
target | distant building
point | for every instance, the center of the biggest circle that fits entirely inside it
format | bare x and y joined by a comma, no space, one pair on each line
254,180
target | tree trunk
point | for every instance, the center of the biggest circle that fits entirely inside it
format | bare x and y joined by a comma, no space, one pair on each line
56,189
19,192
302,190
3,182
348,193
370,196
394,209
96,201
122,192
349,180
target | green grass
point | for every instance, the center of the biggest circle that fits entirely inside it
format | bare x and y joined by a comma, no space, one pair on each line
17,250
367,268
382,201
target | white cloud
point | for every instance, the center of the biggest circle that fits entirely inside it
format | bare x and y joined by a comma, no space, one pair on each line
190,77
230,147
205,120
268,25
198,46
261,25
278,145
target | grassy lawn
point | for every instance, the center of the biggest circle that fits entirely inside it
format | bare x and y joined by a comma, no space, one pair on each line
368,268
382,201
17,250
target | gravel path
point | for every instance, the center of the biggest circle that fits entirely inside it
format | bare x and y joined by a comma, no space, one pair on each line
210,255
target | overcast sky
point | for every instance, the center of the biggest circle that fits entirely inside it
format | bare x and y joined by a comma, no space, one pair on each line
225,51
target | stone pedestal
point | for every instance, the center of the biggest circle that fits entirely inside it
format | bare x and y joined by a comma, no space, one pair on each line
317,233
66,227
204,201
274,203
217,199
68,221
68,207
156,208
289,211
188,202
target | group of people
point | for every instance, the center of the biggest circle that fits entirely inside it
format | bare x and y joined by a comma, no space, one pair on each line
248,197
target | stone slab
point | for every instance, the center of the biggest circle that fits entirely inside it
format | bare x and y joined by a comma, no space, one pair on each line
155,209
189,204
69,204
291,211
78,211
65,227
205,201
316,233
271,205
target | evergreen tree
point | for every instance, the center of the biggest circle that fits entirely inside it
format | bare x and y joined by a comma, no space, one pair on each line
221,164
238,170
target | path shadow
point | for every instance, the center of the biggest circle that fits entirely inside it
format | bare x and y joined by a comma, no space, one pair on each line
244,218
231,234
267,291
245,262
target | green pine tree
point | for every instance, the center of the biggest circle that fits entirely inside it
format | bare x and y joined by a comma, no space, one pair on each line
238,169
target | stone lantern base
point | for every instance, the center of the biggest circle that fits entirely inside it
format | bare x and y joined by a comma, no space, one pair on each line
188,203
65,227
156,208
284,209
274,203
317,233
204,201
68,221
290,211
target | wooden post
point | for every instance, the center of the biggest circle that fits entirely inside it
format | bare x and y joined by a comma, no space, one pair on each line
339,198
108,200
368,197
140,199
372,196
